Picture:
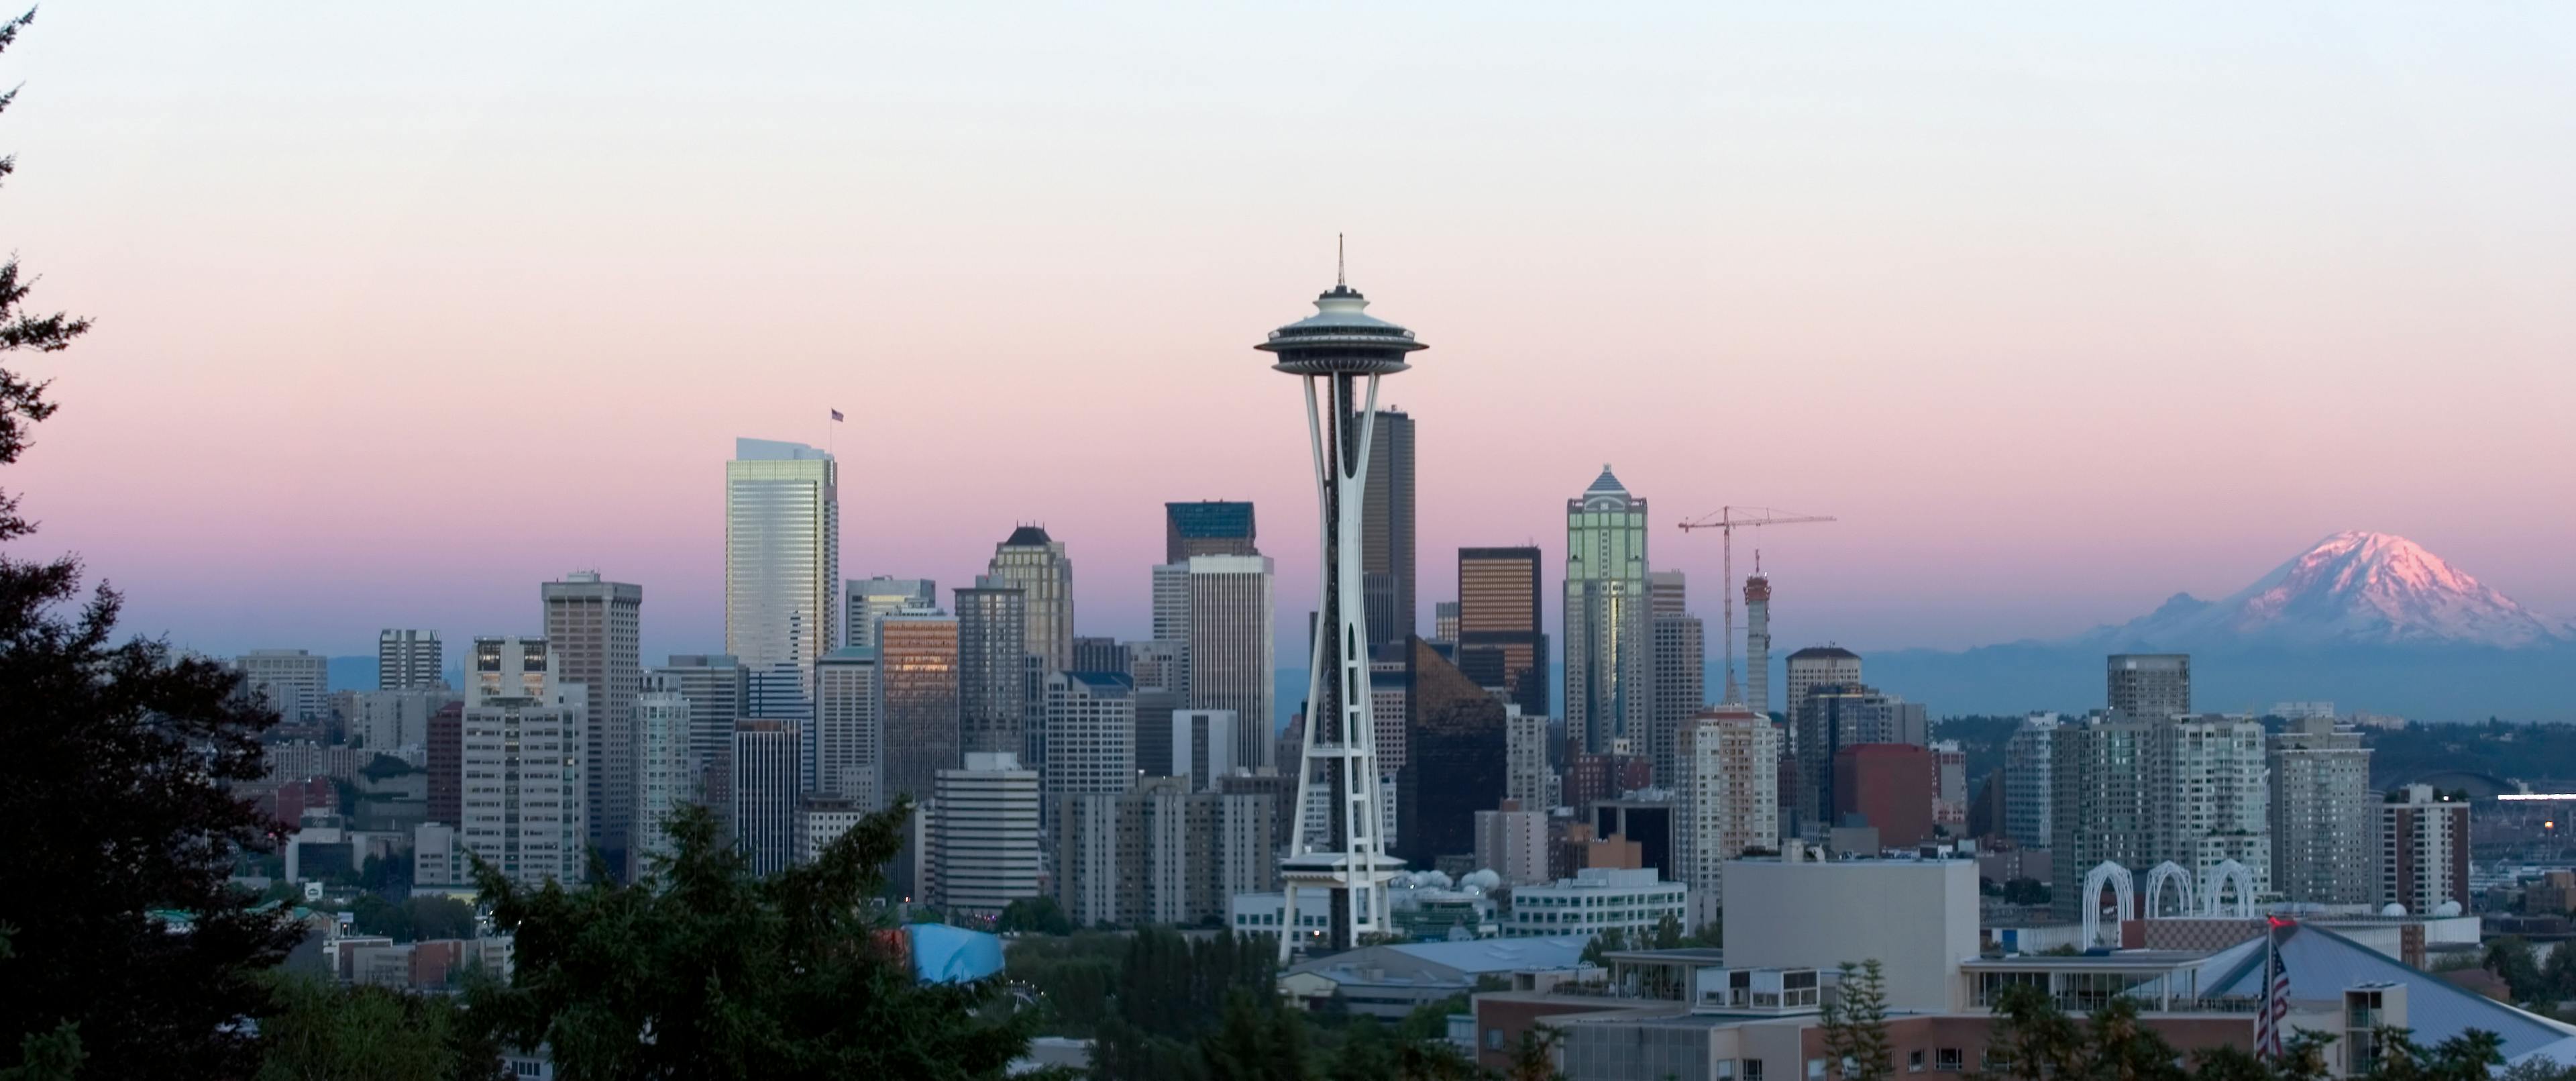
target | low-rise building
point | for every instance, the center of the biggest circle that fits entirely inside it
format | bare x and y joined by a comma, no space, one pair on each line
1596,899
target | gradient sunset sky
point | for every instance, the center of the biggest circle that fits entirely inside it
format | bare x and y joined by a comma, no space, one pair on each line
404,308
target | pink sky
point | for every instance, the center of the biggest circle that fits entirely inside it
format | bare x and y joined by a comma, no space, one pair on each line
402,311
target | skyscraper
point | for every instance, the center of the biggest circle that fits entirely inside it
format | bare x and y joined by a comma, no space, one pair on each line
296,683
2141,791
866,600
1339,354
1091,737
1837,715
993,704
2149,685
410,660
1501,637
1099,655
849,737
1609,654
521,763
2324,815
1727,786
1037,564
1209,527
1757,643
982,837
2027,789
917,672
665,776
1680,686
765,791
1458,759
1386,530
2424,851
1201,745
594,629
1815,666
782,553
1527,775
1231,662
718,688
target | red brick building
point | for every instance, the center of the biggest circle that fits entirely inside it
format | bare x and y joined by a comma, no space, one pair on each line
1889,785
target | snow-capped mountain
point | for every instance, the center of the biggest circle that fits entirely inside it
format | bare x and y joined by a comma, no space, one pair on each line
2353,588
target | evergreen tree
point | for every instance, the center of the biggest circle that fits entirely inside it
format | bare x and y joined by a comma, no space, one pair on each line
1534,1058
1855,1024
702,970
1260,1040
322,1031
114,802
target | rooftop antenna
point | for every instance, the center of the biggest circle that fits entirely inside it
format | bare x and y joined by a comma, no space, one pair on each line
1341,279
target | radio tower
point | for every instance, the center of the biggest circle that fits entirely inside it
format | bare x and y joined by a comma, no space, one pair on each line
1331,351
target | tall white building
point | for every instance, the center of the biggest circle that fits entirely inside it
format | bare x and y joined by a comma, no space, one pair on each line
1609,623
2027,790
867,600
849,737
1091,736
1527,777
409,660
982,839
766,790
1037,564
1511,841
1162,854
520,765
594,630
2222,798
1727,788
1231,660
782,553
2424,851
294,682
665,774
1813,667
2324,815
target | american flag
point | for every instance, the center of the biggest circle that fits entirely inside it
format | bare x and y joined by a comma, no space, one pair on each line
2275,1010
836,414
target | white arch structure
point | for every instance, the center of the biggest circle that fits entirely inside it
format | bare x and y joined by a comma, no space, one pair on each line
2217,878
2169,872
2124,902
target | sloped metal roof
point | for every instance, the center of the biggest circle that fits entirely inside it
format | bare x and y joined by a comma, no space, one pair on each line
2323,964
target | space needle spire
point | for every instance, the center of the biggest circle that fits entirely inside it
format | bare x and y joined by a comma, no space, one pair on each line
1339,353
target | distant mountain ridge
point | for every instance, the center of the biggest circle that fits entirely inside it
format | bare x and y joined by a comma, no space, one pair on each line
2369,620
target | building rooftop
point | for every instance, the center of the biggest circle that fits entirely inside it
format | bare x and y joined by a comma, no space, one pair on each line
1211,518
1029,536
1825,653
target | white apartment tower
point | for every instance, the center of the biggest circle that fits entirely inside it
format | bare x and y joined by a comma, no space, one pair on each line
982,838
410,660
1727,790
520,764
782,553
2027,789
593,628
665,774
1527,776
294,682
2325,817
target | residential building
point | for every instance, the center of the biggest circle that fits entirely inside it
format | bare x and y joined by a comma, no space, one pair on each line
1757,643
1832,716
445,764
665,774
1231,660
1609,653
410,660
765,790
993,658
1386,531
508,668
1950,788
1527,777
294,682
1681,669
2149,685
1456,764
1512,841
1162,854
2325,818
782,553
388,721
1037,564
1598,899
521,792
1209,527
982,836
594,628
2423,850
820,821
2027,791
1813,667
849,734
867,600
1726,790
2140,792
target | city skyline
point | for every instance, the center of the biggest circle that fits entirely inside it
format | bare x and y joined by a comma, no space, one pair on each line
2281,258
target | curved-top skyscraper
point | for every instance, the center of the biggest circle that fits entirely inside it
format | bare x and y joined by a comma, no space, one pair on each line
1332,351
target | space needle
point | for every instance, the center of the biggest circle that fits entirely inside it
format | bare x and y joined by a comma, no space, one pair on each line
1331,351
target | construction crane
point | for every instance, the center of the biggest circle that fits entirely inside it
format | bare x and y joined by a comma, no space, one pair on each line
1726,521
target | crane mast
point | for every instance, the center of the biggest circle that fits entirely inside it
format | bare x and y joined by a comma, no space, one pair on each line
1726,521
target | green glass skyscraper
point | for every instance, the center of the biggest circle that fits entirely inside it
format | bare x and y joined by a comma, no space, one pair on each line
1609,646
